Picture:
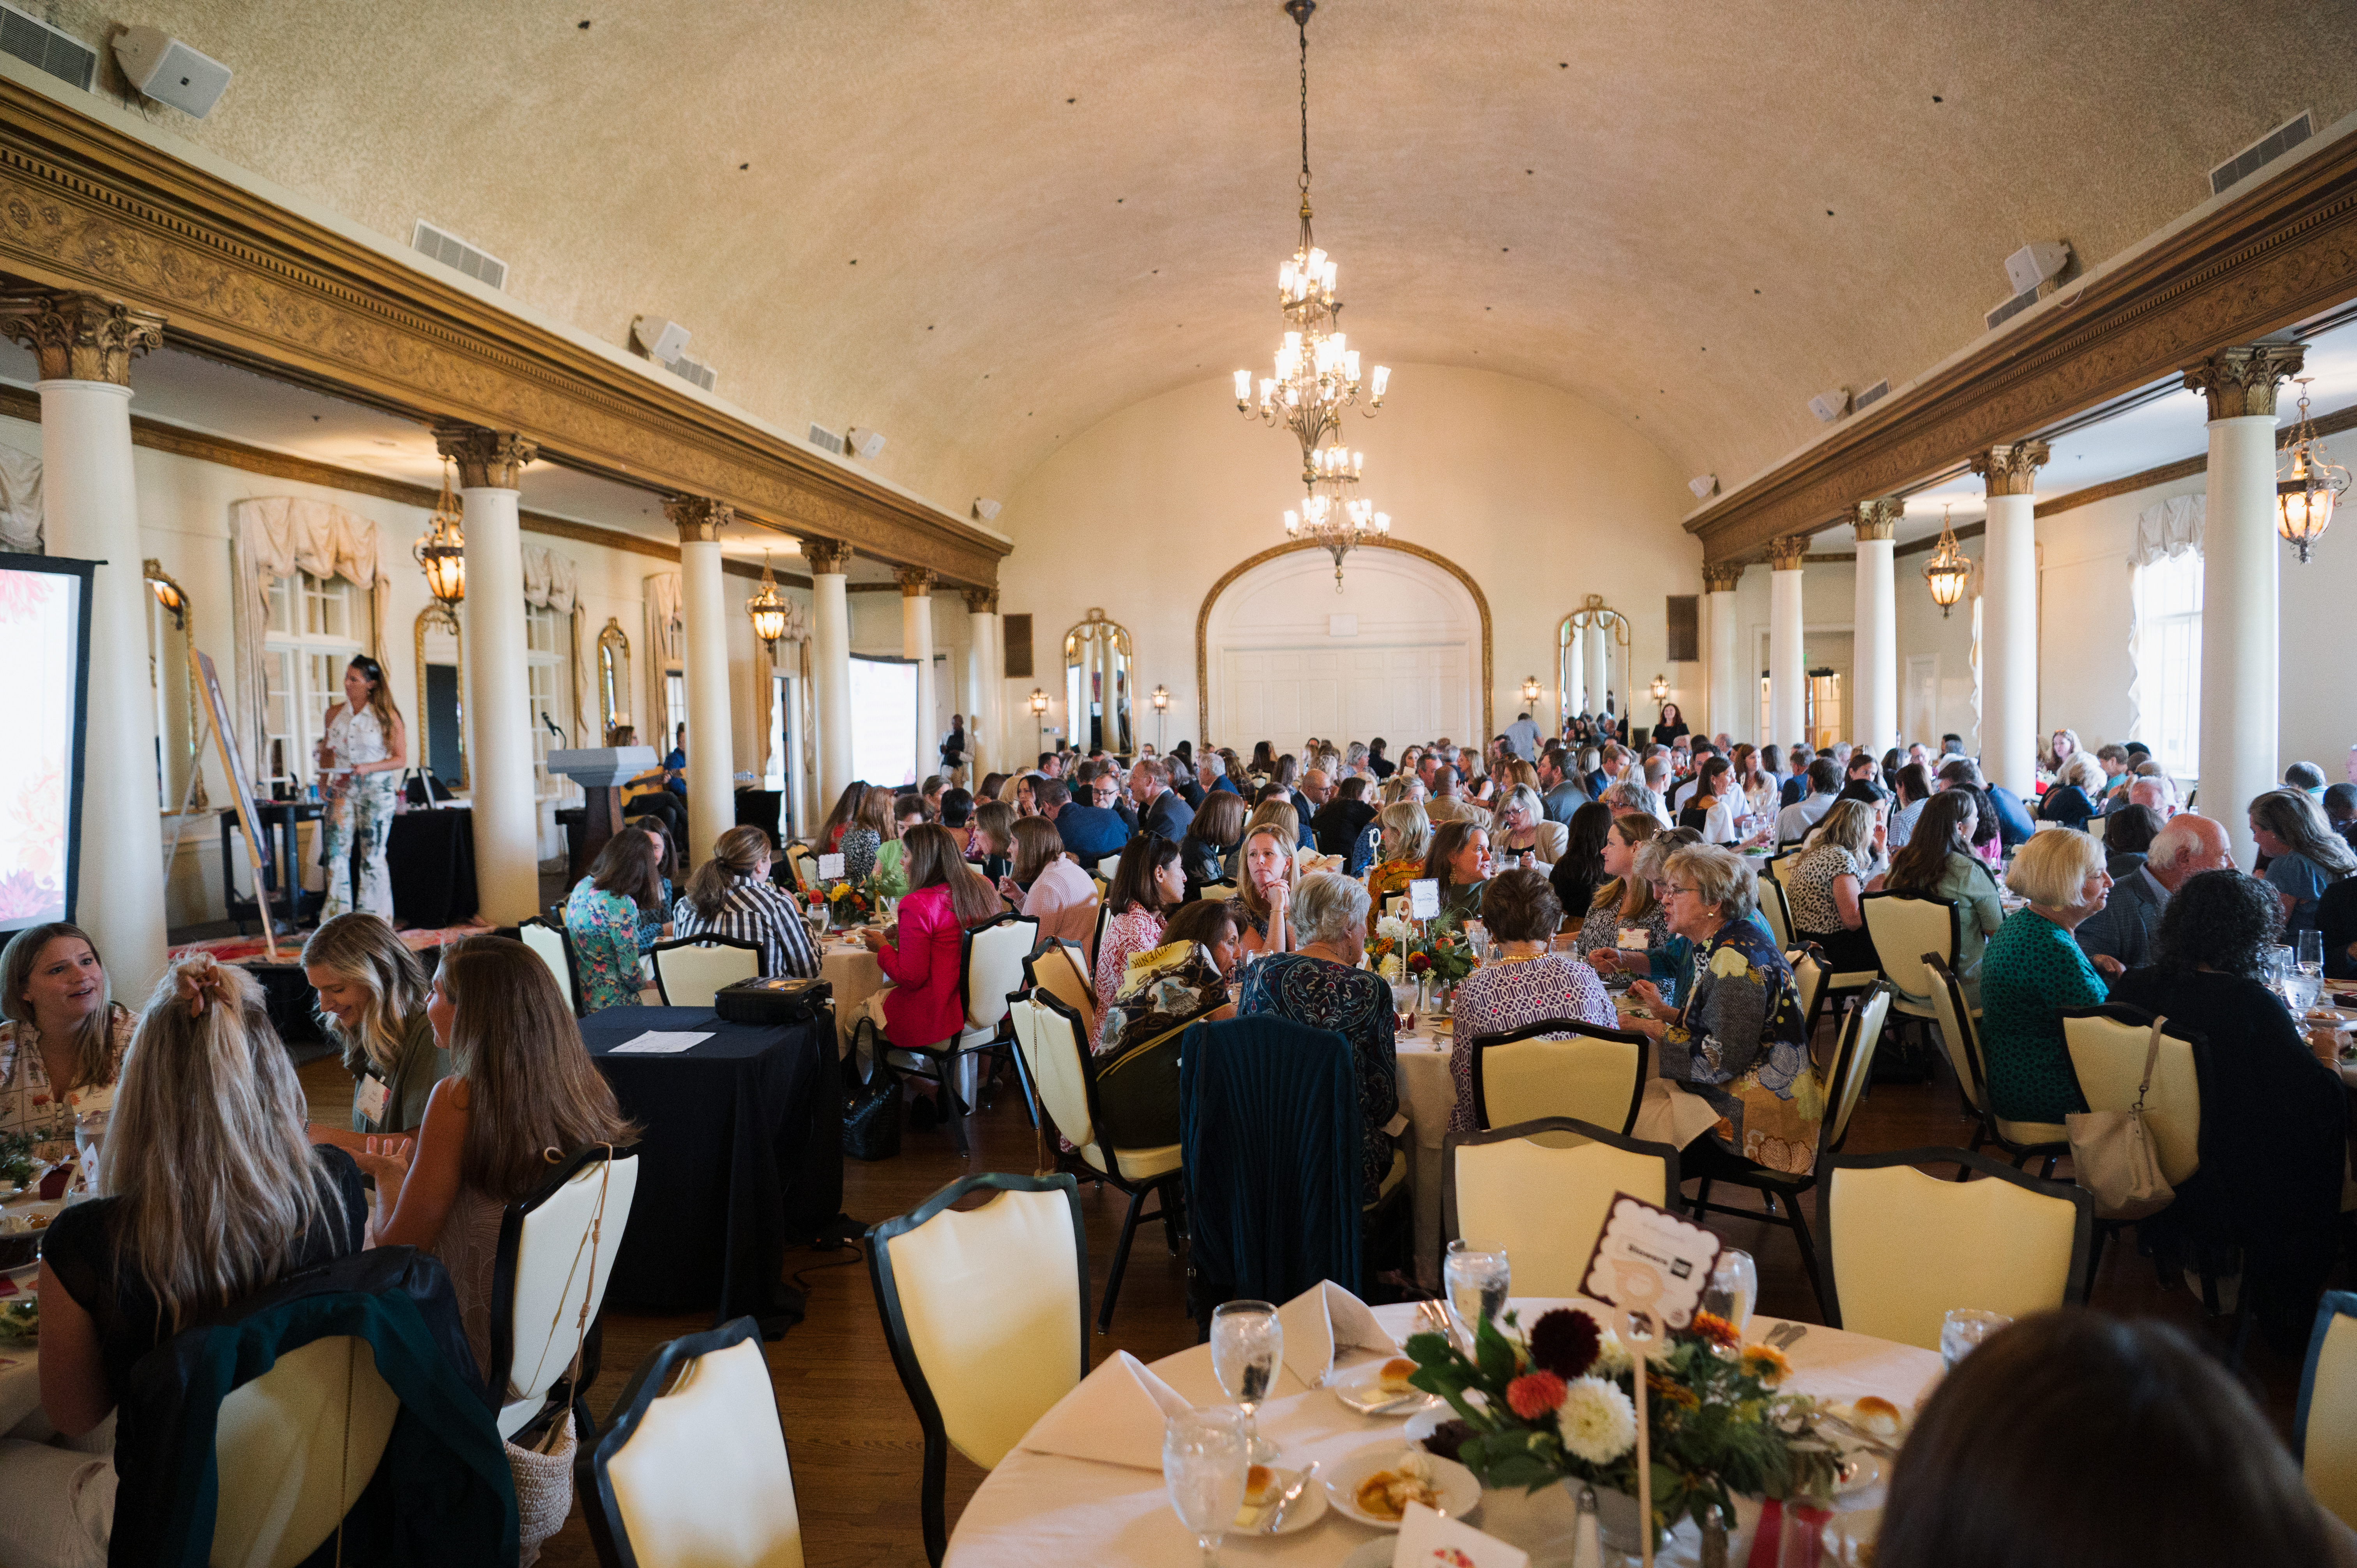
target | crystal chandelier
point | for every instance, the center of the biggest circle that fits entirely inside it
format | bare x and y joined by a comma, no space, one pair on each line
441,550
2309,487
1948,570
1316,374
768,610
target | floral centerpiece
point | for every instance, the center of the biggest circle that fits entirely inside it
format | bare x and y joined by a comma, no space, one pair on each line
845,903
1557,1403
1439,954
16,1159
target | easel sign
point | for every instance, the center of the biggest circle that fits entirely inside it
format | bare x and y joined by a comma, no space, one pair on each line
1651,1267
257,847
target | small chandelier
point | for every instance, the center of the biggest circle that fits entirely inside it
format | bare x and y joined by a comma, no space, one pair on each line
768,610
2310,486
441,550
1949,570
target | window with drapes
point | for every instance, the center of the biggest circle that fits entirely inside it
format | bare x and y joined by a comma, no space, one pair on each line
2165,634
312,628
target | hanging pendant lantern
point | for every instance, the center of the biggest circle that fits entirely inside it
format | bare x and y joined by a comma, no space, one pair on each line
2310,487
1949,571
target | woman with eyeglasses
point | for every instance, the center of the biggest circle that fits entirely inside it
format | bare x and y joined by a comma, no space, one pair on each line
364,749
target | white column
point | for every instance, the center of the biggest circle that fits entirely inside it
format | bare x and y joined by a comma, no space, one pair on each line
830,668
2239,583
1593,662
2009,617
1874,658
84,344
498,704
704,626
983,686
1723,704
917,643
1787,667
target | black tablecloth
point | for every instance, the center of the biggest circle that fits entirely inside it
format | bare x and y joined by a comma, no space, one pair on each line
429,858
741,1157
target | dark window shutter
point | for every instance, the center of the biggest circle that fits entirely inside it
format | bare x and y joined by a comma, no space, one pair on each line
1685,628
1017,633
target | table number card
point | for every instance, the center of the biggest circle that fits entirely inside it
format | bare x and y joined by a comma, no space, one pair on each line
1423,899
1429,1539
830,866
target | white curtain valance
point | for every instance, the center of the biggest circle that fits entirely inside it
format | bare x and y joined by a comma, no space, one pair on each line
2167,528
278,536
20,501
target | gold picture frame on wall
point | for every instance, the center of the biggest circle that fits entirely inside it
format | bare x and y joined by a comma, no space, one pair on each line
438,617
185,784
613,678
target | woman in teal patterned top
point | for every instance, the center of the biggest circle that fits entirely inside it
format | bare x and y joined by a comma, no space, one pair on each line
2033,968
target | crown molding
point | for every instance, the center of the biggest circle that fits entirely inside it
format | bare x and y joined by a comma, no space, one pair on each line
85,206
2252,266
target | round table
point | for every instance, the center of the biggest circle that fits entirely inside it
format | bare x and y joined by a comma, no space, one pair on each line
1044,1508
845,965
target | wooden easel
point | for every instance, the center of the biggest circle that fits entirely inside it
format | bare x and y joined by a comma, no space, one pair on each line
240,787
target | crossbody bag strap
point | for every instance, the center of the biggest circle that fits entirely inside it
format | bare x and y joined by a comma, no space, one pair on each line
550,1440
2151,1058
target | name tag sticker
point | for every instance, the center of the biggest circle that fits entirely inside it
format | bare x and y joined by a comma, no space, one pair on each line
371,1098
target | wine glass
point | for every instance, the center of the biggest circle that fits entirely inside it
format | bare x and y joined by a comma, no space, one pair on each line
1734,1287
1247,1346
1204,1467
1964,1329
1477,1276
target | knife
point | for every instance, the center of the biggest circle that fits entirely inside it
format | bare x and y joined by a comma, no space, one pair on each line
1274,1515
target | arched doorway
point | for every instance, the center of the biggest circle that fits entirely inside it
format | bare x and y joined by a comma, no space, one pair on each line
1403,651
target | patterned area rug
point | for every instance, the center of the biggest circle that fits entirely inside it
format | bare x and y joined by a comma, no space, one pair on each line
245,949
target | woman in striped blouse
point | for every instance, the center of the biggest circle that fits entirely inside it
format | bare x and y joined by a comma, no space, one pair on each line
731,895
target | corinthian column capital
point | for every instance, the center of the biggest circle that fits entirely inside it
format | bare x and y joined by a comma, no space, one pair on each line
916,582
487,459
981,601
699,518
1721,577
1784,552
2012,470
2243,380
79,336
1875,519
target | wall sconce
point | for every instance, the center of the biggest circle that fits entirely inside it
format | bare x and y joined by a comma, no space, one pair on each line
1532,689
1660,688
1039,718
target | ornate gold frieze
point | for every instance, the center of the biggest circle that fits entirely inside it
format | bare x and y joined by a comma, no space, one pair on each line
78,337
2243,380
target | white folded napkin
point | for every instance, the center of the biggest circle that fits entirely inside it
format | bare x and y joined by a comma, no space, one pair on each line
1318,1322
1115,1414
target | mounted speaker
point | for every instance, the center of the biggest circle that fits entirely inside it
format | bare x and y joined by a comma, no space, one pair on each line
168,71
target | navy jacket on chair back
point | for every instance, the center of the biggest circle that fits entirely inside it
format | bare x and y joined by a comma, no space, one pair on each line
1269,1127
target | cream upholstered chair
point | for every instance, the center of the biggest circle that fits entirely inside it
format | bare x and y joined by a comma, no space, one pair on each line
1903,1247
1773,910
2024,1141
1060,970
987,1312
295,1448
1107,866
2324,1436
691,969
1218,887
802,865
2108,1048
555,1256
1541,1189
690,1471
1586,1072
1905,928
992,954
1780,1190
1108,1129
1809,979
548,941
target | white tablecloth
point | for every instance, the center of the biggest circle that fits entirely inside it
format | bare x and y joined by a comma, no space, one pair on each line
847,965
1040,1507
20,1389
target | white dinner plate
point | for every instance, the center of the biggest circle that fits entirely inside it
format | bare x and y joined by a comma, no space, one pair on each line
1307,1509
1361,1387
1862,1468
1460,1493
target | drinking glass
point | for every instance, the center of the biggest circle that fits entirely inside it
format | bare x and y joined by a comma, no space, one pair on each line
1963,1330
1204,1467
1734,1287
2310,955
1477,1276
1247,1346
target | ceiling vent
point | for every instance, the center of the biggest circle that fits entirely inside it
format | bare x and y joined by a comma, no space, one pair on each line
453,252
1870,396
826,440
2260,154
2013,307
44,48
694,370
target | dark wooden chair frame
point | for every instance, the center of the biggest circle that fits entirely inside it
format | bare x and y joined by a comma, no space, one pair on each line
1986,1132
942,1060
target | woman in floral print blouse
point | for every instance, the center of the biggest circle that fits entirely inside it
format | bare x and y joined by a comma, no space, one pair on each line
1740,1041
602,916
62,1047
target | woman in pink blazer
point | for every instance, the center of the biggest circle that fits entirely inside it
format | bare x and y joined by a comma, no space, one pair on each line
923,956
1051,890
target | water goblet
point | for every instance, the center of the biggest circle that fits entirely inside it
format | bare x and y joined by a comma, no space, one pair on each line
1478,1277
1247,1348
1203,1468
1733,1288
2310,958
1964,1329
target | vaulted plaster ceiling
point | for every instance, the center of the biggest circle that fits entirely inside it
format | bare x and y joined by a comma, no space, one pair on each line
981,227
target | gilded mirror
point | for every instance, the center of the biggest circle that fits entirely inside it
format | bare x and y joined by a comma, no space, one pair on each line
613,677
1592,662
1097,659
440,733
172,678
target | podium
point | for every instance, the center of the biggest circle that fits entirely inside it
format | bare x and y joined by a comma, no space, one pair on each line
601,770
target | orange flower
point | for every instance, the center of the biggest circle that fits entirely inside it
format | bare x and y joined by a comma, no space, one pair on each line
1716,1329
1535,1394
1676,1395
1766,1363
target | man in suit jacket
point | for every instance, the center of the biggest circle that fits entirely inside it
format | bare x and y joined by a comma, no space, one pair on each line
2124,927
1160,808
1561,792
1090,832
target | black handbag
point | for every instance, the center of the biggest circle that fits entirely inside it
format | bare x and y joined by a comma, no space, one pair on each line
871,1111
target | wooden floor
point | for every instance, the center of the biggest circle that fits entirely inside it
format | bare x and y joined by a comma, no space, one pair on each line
854,1441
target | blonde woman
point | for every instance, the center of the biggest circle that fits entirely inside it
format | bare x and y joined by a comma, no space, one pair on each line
525,1098
2072,798
1407,836
731,895
62,1047
1264,889
1523,828
212,1194
1828,879
363,751
1624,914
371,994
2033,968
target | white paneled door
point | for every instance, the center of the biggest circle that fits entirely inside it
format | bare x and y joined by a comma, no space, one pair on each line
1353,694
